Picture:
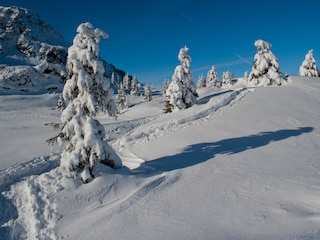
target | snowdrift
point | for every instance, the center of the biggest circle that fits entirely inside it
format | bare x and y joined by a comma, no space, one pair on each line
242,163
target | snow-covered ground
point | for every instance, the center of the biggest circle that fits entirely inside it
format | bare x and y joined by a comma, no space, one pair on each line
243,163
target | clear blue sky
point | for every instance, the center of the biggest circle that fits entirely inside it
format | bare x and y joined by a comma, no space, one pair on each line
146,35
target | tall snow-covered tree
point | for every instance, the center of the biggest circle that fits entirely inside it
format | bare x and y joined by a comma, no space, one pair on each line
86,92
266,69
309,67
212,78
181,92
201,82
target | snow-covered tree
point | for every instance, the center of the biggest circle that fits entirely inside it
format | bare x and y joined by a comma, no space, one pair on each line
266,69
112,78
61,103
165,86
181,92
147,93
227,78
121,99
86,92
201,82
309,66
212,78
126,83
134,86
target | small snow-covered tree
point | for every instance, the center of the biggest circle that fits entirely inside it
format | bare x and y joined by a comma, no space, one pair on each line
112,78
201,82
226,79
61,103
212,78
309,67
147,93
121,99
134,86
182,90
86,92
266,69
165,86
126,83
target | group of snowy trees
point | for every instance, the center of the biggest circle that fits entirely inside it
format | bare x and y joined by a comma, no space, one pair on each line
87,91
131,87
213,80
265,70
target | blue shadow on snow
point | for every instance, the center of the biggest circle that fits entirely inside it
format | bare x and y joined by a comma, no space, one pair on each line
201,152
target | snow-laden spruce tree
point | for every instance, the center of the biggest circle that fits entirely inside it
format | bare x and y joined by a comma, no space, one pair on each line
86,92
266,69
126,83
165,86
121,99
226,79
134,86
201,82
212,78
147,93
309,67
181,92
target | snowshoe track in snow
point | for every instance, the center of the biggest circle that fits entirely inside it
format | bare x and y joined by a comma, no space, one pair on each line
34,198
209,107
31,196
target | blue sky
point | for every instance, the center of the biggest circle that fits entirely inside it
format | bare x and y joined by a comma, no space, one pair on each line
146,35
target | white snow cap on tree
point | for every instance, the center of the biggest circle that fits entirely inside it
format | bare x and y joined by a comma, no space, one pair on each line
201,82
86,92
266,69
309,67
181,92
184,57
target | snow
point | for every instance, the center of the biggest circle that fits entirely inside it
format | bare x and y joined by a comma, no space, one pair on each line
241,163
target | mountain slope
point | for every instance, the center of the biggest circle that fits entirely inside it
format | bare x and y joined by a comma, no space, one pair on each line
33,54
243,163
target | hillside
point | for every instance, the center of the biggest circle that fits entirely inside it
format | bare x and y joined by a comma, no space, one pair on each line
243,163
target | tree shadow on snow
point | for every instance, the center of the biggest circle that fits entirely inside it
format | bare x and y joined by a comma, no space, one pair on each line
206,99
198,153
